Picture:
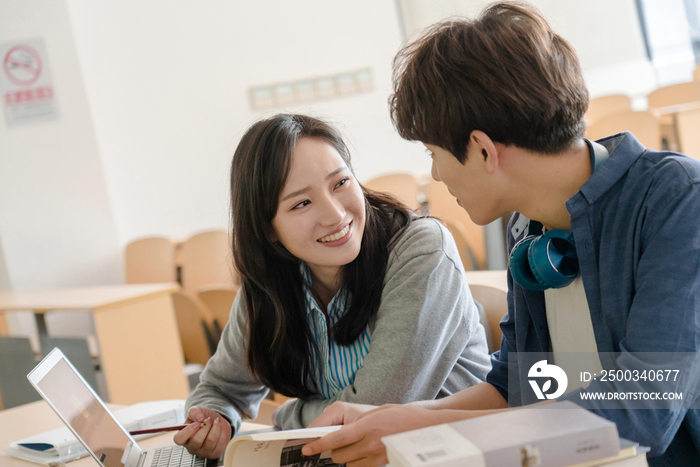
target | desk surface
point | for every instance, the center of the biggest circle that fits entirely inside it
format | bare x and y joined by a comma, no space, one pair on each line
37,417
83,298
497,278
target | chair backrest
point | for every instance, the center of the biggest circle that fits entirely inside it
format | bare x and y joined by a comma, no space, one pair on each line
444,206
490,288
77,351
16,361
218,299
206,259
603,106
688,135
464,244
674,95
643,124
192,324
404,186
150,260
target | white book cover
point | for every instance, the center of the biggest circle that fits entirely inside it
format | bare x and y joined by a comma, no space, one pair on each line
549,435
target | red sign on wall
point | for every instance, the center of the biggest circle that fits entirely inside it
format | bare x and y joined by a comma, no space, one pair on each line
25,80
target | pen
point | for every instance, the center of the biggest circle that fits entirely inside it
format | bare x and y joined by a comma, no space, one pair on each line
157,430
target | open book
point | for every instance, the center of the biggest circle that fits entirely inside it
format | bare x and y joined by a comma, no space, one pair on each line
266,448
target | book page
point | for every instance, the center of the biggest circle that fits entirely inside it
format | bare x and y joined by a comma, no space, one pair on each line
278,453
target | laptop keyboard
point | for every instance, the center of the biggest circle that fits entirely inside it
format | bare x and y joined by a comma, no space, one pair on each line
177,456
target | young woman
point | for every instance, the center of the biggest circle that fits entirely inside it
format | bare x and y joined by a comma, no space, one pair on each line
346,295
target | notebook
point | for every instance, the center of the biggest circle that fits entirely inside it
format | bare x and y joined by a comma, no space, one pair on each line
86,415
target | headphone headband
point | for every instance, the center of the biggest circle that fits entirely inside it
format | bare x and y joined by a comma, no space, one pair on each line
597,152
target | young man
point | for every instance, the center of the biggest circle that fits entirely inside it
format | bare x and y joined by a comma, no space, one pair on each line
499,103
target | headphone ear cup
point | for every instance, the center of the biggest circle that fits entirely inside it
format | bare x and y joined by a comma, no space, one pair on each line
519,265
552,259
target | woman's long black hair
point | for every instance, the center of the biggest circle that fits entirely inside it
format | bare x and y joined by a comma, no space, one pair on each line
281,347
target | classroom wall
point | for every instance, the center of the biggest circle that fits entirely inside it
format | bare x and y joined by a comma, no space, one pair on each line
168,89
153,98
4,276
56,224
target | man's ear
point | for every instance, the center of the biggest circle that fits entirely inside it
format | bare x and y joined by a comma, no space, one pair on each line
486,148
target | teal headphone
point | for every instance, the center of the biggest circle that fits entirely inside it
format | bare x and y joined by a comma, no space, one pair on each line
549,261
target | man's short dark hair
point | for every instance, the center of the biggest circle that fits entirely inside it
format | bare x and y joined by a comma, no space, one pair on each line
505,73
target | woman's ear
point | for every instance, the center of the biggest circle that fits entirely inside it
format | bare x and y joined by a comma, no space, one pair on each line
485,148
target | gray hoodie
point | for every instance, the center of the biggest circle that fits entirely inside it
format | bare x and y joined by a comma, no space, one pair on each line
426,340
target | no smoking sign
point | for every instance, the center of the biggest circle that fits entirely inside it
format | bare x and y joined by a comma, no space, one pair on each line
27,88
22,65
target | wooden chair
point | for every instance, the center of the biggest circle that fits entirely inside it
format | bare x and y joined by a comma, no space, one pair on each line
194,325
604,106
674,95
218,299
206,259
688,124
150,260
402,185
644,125
444,206
680,103
668,103
490,288
464,244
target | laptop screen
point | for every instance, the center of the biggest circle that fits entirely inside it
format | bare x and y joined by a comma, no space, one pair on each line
73,399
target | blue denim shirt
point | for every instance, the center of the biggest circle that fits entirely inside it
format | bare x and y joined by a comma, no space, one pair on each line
636,225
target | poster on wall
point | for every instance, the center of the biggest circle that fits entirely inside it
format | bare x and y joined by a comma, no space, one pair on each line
25,83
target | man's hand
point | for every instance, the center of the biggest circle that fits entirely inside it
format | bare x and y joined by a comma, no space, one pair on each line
340,413
206,435
359,444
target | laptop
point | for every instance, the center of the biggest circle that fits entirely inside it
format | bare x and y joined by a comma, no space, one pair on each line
86,415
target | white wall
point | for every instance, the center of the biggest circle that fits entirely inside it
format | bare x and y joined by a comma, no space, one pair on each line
55,220
153,100
56,225
168,86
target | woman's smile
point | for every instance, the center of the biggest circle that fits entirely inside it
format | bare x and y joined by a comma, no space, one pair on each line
337,238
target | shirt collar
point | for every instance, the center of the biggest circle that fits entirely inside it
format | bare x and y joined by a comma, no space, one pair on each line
311,304
624,150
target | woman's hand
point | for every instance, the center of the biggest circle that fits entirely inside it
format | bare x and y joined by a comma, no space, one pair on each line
206,435
359,444
340,413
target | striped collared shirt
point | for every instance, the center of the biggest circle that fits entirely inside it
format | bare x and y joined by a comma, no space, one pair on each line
339,363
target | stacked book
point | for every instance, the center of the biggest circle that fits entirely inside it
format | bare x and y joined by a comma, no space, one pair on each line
551,435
